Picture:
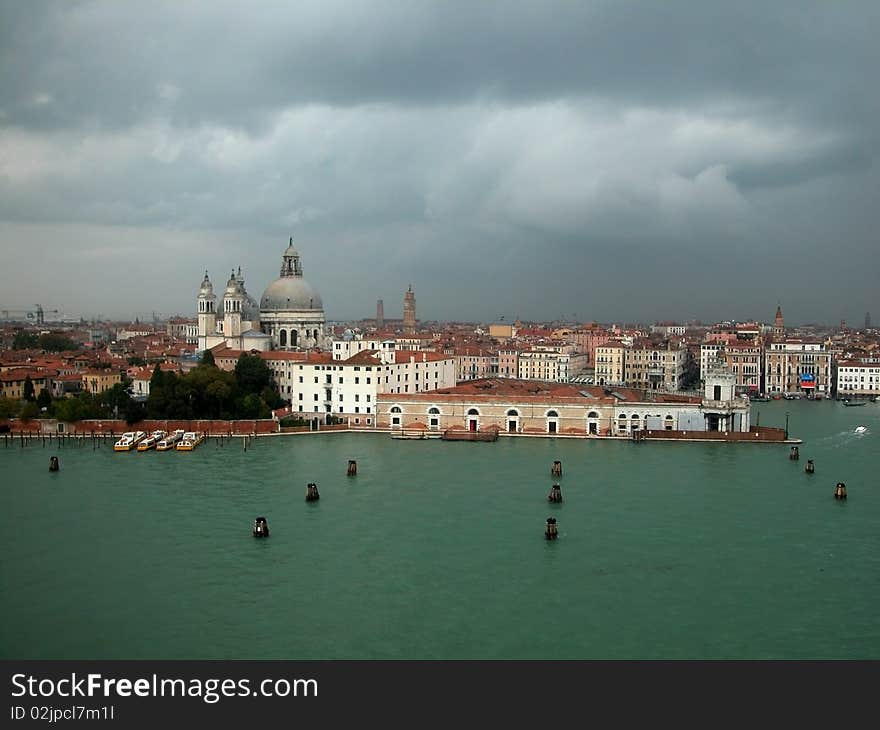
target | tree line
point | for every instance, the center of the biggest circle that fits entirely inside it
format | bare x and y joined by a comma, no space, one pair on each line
205,392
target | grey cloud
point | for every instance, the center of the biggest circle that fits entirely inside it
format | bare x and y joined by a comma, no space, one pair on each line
612,159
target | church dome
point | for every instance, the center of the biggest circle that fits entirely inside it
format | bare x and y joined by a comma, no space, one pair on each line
291,291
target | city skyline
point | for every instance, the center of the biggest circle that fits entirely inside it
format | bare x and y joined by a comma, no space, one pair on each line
617,162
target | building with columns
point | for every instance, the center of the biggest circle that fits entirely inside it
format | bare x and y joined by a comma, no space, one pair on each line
290,315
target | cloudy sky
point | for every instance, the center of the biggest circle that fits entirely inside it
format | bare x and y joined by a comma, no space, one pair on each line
616,161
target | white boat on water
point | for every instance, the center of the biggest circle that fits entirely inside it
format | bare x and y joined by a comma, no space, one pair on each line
861,429
170,441
129,440
190,440
150,441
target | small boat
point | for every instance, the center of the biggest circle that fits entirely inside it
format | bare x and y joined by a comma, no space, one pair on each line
150,441
861,429
190,440
760,398
129,440
853,403
168,443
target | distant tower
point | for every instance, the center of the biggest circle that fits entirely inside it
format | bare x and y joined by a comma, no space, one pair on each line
867,320
380,314
409,311
779,323
233,301
207,315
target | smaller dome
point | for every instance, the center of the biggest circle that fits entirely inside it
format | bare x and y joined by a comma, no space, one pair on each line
233,286
207,287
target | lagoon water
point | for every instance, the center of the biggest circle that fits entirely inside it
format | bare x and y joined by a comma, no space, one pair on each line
436,549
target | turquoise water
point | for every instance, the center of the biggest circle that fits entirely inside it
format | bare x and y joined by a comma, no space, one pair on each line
436,550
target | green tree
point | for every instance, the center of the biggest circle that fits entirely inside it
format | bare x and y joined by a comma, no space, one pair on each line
29,411
44,399
271,397
24,340
157,401
137,361
9,408
116,399
208,359
134,411
54,342
28,389
252,374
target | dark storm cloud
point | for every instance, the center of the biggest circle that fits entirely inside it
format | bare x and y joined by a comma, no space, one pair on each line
461,144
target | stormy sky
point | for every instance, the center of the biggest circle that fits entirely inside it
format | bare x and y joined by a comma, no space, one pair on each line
610,161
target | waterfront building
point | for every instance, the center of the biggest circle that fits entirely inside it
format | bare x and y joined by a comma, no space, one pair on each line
744,359
857,379
797,366
610,362
474,363
529,407
318,385
650,366
557,363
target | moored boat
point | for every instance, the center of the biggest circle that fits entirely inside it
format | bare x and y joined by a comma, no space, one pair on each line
129,440
190,440
168,443
851,403
151,441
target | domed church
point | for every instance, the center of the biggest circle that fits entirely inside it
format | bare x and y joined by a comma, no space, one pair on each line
290,316
291,311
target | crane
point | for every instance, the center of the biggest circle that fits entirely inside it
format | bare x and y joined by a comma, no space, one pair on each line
35,315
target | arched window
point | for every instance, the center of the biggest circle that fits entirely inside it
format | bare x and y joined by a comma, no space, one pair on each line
282,338
622,416
293,338
552,414
592,414
513,413
434,411
395,409
473,412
